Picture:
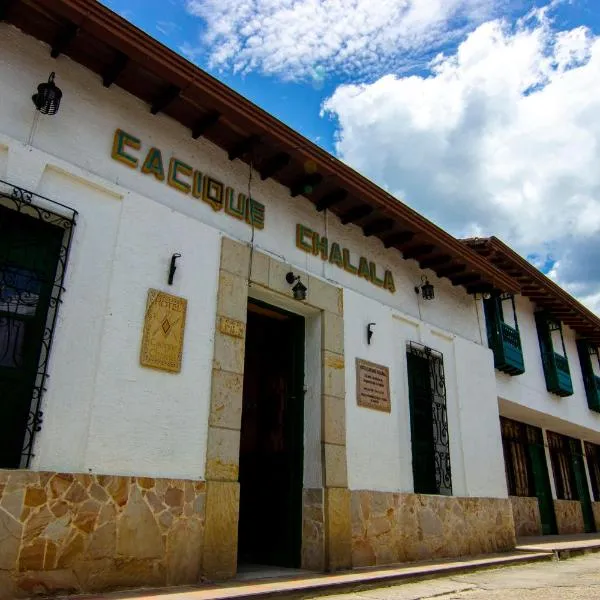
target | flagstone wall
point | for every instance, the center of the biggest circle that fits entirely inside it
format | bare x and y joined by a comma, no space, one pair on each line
62,532
569,516
526,513
390,527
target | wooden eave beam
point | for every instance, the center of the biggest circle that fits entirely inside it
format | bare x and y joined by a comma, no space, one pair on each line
378,226
165,98
274,164
5,8
398,238
64,37
417,251
466,279
306,184
331,199
204,123
481,288
435,261
112,72
450,270
243,147
356,213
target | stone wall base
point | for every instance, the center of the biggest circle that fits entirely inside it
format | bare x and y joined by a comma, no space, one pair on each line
389,527
596,509
569,516
526,513
63,532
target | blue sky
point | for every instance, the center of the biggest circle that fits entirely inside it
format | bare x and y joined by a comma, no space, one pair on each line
298,103
483,115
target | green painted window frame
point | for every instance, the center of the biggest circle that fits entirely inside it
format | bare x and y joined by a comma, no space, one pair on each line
591,381
556,366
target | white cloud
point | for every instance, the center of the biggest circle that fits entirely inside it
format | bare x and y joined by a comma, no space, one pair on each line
502,137
305,38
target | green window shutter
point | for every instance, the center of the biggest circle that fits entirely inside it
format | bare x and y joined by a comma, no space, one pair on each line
591,382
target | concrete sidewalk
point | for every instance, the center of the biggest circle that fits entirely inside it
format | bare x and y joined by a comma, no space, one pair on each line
309,585
562,546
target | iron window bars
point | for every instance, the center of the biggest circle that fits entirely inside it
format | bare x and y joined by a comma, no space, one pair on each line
59,215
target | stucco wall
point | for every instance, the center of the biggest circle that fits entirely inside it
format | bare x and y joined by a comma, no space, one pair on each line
525,393
103,412
379,443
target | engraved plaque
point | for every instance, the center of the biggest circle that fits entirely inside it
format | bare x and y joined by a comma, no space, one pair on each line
162,340
232,327
373,385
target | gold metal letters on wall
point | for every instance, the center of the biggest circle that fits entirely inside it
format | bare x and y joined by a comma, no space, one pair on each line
162,339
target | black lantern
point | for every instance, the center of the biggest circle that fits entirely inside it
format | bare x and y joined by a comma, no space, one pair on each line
47,99
299,290
425,288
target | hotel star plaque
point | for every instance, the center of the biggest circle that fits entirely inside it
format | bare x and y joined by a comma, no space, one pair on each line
162,340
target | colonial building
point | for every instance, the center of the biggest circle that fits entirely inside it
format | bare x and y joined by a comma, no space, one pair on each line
220,346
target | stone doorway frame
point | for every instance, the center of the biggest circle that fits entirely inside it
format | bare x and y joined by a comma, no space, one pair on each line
326,509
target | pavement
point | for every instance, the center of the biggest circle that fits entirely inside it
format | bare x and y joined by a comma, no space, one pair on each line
574,579
535,570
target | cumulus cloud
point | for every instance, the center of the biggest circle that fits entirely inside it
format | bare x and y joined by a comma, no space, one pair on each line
501,137
298,39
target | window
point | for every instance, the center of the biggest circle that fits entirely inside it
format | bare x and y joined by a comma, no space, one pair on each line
589,360
562,465
516,437
554,355
428,421
592,454
503,333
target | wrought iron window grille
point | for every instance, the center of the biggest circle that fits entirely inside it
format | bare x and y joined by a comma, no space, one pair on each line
59,215
433,391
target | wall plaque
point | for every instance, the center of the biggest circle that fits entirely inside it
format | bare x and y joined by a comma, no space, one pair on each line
373,385
162,340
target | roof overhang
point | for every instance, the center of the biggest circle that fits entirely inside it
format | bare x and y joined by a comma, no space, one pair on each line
538,288
123,55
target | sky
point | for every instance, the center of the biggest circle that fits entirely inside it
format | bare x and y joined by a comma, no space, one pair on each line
483,115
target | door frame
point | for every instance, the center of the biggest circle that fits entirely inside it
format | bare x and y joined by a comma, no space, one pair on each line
52,213
246,272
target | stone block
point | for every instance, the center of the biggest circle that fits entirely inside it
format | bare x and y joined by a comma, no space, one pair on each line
12,501
334,383
333,332
260,269
596,509
36,583
526,515
334,420
138,535
226,399
235,257
569,516
221,529
10,541
222,454
338,529
335,469
277,272
184,552
325,296
232,298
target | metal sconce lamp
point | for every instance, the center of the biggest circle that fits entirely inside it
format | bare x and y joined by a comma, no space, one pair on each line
173,267
299,290
425,288
370,332
47,99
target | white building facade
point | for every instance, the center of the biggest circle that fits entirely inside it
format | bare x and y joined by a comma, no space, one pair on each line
213,354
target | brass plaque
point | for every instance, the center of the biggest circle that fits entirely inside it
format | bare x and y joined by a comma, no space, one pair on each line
162,340
232,327
373,385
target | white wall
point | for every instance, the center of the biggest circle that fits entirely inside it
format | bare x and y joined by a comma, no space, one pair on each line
103,411
527,392
379,444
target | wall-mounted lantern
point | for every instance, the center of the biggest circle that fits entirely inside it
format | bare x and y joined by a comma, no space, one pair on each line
173,267
47,99
425,288
299,290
